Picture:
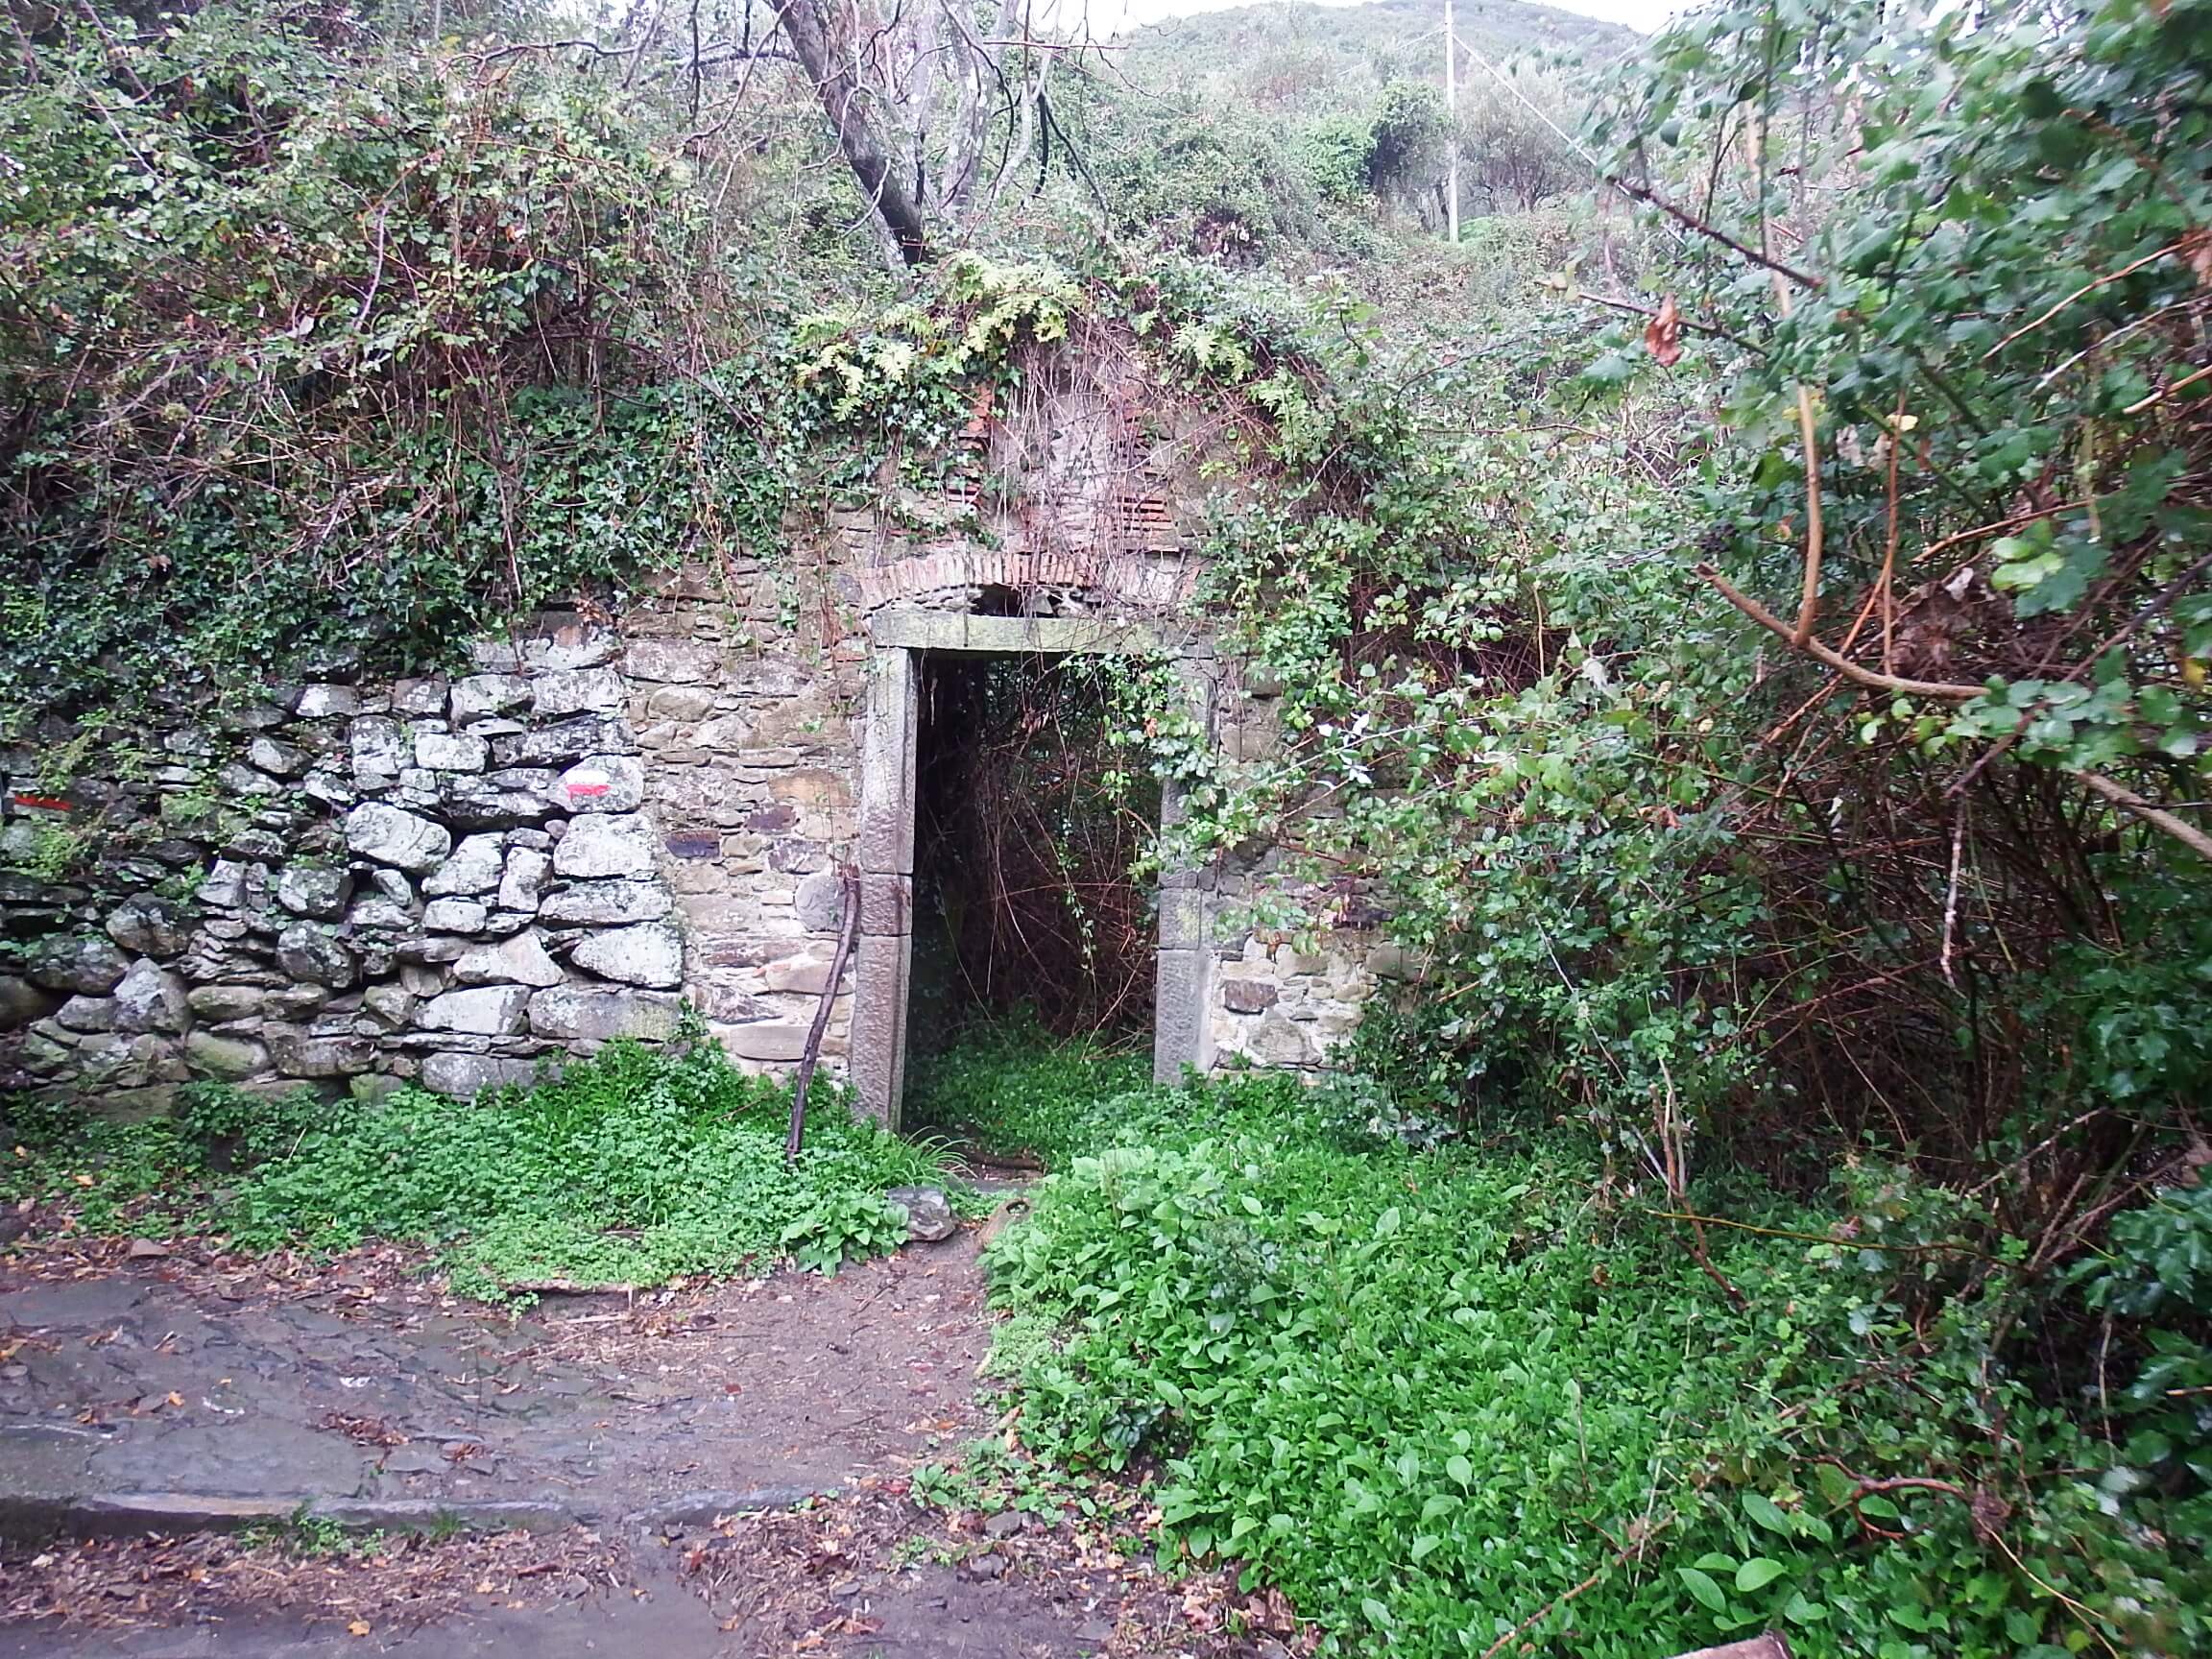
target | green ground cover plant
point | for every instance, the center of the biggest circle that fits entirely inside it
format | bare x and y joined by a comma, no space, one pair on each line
1441,1395
1009,1088
633,1167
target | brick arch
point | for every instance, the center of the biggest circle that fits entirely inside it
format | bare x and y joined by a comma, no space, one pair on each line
1117,583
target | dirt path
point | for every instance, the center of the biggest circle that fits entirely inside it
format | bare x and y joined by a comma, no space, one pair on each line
654,1447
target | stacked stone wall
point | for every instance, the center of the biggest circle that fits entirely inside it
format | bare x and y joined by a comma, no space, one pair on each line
457,880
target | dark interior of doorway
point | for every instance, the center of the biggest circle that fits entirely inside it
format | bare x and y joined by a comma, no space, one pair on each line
1026,823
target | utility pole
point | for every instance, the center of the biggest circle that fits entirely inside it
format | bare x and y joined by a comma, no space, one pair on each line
1452,124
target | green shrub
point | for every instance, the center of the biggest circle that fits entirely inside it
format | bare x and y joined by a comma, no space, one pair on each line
1430,1393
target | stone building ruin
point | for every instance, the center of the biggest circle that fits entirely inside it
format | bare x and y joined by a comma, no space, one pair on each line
453,879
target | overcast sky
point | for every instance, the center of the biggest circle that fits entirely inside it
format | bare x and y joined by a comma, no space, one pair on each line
1107,15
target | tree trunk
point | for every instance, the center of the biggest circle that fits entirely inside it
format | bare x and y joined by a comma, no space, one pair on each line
806,25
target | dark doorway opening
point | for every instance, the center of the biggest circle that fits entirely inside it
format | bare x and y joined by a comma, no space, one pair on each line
1027,823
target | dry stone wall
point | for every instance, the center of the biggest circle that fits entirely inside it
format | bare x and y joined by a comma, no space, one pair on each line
449,880
457,880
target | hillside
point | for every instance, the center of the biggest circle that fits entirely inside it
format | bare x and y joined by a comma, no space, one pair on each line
1305,58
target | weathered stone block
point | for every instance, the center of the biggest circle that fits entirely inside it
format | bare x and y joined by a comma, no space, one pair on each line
424,696
574,691
464,1075
451,751
558,744
91,966
794,855
87,1014
809,974
615,900
475,866
216,1004
378,746
775,1040
521,960
322,702
672,660
389,1005
281,760
147,925
679,703
389,835
150,999
728,735
601,783
477,694
819,903
1249,996
650,953
578,1012
515,796
604,843
489,1011
570,645
313,889
228,1059
523,879
380,915
316,956
455,916
930,1217
886,904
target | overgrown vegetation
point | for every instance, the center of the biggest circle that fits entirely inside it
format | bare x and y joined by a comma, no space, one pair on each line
1453,1396
634,1167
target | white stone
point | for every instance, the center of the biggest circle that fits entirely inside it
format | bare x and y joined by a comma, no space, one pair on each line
523,879
487,1011
517,961
319,701
379,747
573,691
616,900
381,915
601,844
488,694
455,916
601,783
448,752
649,954
473,868
281,758
389,835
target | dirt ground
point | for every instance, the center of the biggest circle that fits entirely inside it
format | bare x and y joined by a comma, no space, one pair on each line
656,1442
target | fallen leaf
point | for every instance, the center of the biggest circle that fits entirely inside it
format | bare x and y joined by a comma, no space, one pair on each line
1663,334
359,1627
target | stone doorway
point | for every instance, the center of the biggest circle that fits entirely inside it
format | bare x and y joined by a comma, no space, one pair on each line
901,641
